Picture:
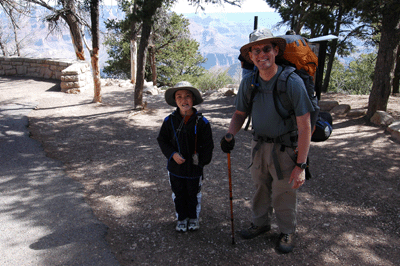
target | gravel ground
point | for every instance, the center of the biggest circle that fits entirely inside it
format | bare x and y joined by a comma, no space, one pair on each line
348,213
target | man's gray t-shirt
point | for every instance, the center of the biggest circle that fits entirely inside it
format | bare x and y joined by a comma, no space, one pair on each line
265,120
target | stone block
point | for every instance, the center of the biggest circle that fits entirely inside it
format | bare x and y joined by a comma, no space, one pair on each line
381,118
10,72
357,113
71,71
48,74
58,75
327,105
341,109
69,78
21,70
31,70
394,130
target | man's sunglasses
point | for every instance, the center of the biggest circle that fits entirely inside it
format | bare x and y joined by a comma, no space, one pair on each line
266,49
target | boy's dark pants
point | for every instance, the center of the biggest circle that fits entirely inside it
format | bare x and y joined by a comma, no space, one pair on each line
186,196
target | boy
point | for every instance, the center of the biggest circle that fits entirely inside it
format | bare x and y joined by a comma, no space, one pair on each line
186,140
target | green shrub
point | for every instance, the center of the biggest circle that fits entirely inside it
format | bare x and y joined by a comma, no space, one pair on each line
213,80
355,78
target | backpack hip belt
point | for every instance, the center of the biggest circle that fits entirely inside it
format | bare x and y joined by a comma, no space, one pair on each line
286,140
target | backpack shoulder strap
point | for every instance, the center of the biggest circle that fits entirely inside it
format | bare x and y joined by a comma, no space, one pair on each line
281,85
279,92
250,94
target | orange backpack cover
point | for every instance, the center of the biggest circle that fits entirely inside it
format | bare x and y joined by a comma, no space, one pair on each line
299,53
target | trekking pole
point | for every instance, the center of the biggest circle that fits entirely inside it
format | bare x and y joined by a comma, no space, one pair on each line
228,138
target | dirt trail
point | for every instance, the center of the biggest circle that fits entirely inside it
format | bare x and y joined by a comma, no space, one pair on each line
348,213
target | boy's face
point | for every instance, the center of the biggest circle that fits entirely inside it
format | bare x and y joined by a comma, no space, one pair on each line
184,100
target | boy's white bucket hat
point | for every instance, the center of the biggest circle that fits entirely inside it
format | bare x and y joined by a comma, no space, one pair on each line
183,85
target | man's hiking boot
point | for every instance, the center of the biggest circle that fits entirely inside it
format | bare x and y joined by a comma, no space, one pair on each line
193,224
285,243
254,231
181,226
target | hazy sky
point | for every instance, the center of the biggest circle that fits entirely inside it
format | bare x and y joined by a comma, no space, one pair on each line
247,6
183,6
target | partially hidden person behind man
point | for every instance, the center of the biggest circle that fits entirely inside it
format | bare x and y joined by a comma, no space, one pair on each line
247,67
185,138
279,152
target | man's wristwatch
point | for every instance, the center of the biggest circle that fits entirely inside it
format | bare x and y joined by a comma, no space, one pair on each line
302,165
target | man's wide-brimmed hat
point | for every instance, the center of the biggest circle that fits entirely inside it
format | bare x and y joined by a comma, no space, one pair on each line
259,37
183,85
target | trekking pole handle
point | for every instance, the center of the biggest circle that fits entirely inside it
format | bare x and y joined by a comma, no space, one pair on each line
228,137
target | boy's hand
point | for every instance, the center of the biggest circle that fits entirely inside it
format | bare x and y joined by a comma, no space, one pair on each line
178,158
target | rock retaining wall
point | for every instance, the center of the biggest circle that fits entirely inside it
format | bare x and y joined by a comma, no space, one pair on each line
75,76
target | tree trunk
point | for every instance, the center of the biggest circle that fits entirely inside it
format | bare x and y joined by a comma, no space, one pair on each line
74,28
133,61
385,63
133,46
396,79
144,42
149,8
94,15
329,65
333,51
3,48
320,69
15,36
152,53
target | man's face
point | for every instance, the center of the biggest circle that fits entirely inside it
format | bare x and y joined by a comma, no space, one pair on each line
263,55
184,100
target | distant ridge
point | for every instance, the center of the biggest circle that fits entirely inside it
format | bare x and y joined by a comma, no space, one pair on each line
220,35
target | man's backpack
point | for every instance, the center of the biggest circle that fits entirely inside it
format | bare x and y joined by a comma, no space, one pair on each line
300,59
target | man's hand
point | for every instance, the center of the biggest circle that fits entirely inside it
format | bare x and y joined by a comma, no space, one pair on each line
298,177
227,146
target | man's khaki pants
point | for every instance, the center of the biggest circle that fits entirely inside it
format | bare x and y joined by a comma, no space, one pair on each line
272,193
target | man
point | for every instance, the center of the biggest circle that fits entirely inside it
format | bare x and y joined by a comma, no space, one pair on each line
278,162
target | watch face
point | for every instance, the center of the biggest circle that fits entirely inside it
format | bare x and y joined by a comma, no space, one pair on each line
302,165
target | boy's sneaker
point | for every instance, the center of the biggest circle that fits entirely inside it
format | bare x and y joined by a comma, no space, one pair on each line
285,243
193,225
181,226
254,231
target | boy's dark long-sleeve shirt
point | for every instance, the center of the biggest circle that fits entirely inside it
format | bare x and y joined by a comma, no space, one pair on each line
176,136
